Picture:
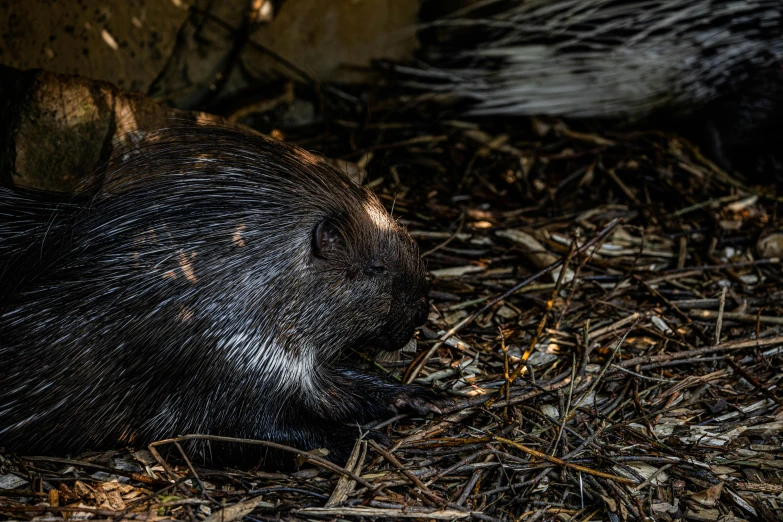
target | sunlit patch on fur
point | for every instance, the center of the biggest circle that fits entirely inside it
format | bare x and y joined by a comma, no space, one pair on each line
185,313
206,118
378,215
145,238
129,436
237,238
306,157
186,265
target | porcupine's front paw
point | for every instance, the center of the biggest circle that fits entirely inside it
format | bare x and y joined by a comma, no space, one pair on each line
418,400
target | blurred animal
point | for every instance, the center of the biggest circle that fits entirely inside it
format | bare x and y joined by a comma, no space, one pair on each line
677,61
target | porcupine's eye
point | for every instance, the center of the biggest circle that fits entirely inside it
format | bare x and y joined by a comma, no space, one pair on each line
376,267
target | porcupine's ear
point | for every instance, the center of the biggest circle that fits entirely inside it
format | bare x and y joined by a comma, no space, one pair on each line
328,241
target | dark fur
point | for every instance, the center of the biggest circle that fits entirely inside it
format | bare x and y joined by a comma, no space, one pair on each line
744,129
210,287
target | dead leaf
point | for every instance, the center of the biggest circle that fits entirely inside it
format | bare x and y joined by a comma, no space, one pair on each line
709,497
237,511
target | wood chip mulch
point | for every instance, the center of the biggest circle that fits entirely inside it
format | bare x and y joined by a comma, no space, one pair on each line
605,312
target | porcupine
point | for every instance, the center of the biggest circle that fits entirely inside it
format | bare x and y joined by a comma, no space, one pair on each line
710,68
212,286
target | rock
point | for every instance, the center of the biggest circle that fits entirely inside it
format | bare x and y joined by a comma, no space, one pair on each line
126,43
59,128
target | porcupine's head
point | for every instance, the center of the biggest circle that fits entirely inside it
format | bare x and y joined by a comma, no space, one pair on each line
268,242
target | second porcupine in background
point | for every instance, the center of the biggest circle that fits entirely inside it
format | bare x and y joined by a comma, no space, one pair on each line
213,286
716,65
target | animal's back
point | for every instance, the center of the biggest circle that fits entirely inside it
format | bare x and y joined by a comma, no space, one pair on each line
27,219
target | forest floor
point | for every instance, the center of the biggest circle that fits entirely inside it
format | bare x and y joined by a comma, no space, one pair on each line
605,312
